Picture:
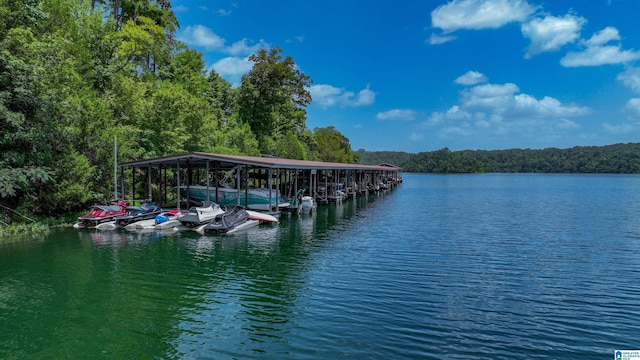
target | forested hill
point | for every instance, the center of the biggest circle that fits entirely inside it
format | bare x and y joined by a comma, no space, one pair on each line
616,159
382,157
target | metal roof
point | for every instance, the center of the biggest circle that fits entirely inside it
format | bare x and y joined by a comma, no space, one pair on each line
200,159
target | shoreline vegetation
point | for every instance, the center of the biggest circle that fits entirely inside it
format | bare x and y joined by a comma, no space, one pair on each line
608,159
24,228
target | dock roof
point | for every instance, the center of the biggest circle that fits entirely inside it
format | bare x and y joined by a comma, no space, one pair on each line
200,159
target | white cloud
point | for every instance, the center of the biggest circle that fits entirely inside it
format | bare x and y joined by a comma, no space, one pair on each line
201,36
504,100
415,136
600,55
547,107
397,114
551,33
633,107
631,78
435,119
482,124
242,48
489,96
298,38
471,78
440,39
365,97
566,124
454,113
501,109
457,113
603,36
479,14
453,132
619,129
597,53
327,96
232,67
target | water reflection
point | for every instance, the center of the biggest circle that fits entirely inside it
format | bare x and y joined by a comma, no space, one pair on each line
254,281
96,293
120,237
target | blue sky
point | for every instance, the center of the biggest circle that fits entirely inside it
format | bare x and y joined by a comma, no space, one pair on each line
417,76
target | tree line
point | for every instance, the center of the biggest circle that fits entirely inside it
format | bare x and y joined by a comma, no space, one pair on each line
75,74
614,159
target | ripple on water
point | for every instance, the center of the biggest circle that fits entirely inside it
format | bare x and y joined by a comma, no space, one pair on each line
455,267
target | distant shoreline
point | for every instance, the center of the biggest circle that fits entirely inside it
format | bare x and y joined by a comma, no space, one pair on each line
607,159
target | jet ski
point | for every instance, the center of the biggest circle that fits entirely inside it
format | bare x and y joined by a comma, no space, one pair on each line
102,214
234,219
199,215
148,210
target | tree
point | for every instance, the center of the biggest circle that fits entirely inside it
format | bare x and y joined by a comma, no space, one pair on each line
25,136
273,96
221,96
290,147
333,146
124,10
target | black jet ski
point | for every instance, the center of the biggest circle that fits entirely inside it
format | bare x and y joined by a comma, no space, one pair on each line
233,219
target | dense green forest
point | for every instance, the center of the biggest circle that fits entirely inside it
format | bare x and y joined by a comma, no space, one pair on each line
616,159
75,74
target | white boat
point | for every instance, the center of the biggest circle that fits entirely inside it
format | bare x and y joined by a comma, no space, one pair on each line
199,215
240,227
252,198
148,224
109,225
262,217
307,204
244,226
165,220
169,224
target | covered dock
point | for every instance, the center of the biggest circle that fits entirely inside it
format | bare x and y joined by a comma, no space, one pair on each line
167,180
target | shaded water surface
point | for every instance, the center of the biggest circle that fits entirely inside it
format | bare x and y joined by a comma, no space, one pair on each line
443,267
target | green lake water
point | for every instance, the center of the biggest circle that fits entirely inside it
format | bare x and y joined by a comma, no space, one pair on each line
443,267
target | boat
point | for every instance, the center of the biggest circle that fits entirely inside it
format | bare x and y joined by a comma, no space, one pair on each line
295,205
307,204
168,221
165,220
234,219
101,214
199,215
147,210
167,217
252,198
262,217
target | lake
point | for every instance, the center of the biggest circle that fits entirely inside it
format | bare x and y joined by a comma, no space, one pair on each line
492,266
